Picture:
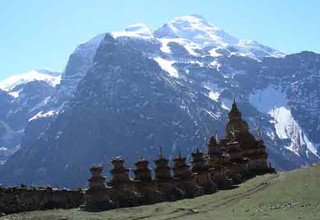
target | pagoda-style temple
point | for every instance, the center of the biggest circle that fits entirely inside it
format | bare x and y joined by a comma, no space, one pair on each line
183,178
122,189
202,176
96,197
164,181
144,184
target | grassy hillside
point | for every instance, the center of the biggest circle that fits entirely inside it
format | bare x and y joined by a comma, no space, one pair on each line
292,195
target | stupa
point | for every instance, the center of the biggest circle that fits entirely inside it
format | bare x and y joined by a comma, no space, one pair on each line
96,197
145,185
123,190
201,172
253,150
217,165
183,178
164,181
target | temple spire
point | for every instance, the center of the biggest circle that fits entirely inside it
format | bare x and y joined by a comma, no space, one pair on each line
234,112
236,124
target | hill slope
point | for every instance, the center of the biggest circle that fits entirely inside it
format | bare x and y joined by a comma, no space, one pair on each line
291,195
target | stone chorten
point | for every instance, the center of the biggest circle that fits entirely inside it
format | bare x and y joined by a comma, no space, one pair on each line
96,197
122,187
236,126
202,176
164,181
217,164
181,169
120,174
253,149
184,178
144,184
238,130
240,153
258,159
236,164
142,172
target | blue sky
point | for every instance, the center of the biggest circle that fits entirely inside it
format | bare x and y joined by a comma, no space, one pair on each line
41,34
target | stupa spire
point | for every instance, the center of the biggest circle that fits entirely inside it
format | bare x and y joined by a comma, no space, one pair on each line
234,112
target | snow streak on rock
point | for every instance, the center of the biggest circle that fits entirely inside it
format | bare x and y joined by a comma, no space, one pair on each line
274,102
166,65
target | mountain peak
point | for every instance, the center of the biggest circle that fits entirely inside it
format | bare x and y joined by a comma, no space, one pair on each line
134,30
196,29
40,75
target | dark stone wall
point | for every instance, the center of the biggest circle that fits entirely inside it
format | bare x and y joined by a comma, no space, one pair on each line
20,199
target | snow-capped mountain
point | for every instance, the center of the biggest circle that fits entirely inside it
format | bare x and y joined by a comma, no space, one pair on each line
21,97
194,33
218,42
8,84
128,93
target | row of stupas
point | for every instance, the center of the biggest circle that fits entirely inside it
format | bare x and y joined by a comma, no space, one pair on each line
228,162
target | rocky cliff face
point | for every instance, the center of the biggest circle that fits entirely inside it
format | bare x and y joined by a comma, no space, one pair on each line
128,93
80,61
